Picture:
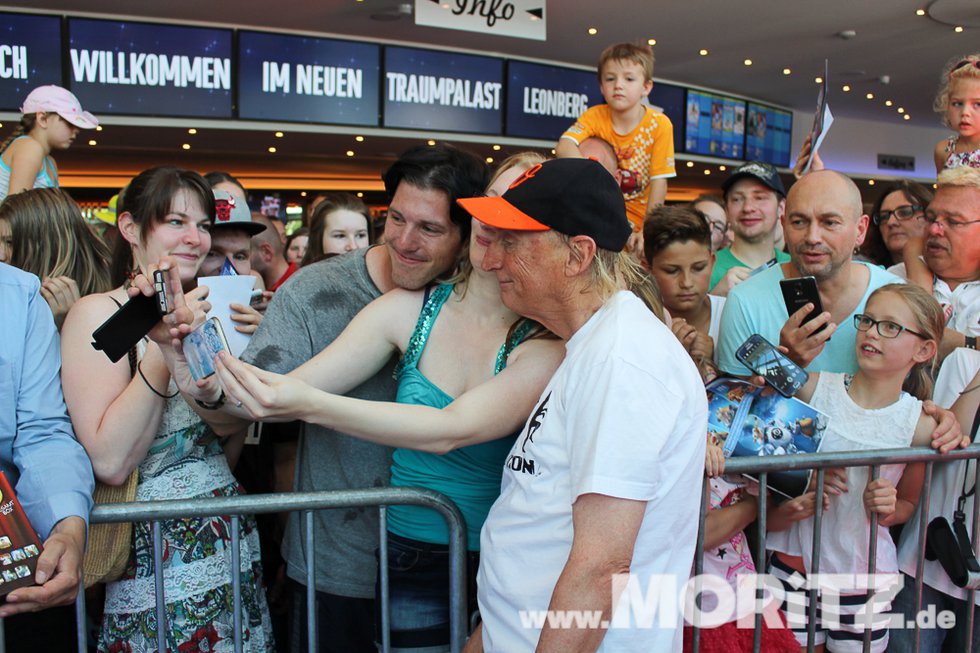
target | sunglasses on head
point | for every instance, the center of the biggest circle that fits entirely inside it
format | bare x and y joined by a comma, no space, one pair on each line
966,62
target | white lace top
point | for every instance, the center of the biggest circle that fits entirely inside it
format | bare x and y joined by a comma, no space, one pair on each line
846,523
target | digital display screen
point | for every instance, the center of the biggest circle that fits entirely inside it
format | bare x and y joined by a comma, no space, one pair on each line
306,79
543,101
715,125
768,135
147,69
30,56
444,91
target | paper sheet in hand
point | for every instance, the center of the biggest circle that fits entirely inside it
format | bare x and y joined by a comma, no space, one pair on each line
225,291
822,120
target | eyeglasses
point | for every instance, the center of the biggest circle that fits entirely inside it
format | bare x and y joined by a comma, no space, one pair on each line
886,328
901,213
953,224
966,62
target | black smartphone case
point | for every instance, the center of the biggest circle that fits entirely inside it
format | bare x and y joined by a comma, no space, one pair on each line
799,292
117,335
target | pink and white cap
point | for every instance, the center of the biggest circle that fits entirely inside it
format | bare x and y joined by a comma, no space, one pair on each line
60,101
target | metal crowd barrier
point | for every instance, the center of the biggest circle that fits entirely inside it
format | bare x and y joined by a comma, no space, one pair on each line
306,502
760,467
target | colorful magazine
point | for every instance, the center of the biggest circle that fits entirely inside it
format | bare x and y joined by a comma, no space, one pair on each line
746,420
19,545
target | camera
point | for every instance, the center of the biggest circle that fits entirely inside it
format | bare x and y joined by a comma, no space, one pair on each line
950,545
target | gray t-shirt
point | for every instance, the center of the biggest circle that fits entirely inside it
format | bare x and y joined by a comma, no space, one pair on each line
306,314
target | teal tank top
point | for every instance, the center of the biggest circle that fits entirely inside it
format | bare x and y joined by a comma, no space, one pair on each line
470,476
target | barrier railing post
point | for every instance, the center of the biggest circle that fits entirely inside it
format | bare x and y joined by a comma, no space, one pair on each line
236,581
312,627
383,579
161,611
872,556
920,554
814,571
760,593
699,566
81,620
972,594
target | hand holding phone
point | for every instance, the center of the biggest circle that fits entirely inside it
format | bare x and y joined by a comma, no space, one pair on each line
799,292
201,346
772,365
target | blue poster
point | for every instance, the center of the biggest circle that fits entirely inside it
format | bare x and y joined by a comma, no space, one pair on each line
768,134
306,79
444,91
543,101
30,56
146,69
715,125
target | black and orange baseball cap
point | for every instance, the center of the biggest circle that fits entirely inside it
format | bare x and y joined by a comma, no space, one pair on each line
576,197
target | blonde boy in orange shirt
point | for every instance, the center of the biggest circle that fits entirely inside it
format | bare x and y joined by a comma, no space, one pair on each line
642,136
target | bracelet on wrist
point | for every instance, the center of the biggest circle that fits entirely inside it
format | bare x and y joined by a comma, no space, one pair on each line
139,369
212,405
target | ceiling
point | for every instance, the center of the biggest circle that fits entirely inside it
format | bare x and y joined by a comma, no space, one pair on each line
889,42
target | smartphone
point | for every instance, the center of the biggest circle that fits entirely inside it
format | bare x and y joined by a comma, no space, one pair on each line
774,366
201,346
799,292
134,319
255,298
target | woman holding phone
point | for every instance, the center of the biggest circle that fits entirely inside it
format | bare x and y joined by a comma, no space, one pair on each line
130,418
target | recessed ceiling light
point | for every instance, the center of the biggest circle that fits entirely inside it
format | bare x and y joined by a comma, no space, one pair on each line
431,142
723,168
272,150
359,139
870,96
496,148
651,41
350,152
707,171
846,88
818,80
690,164
92,142
888,103
920,12
593,31
360,194
303,194
871,182
552,151
489,159
958,29
907,117
901,109
747,62
186,146
703,52
787,71
191,131
98,128
279,134
935,186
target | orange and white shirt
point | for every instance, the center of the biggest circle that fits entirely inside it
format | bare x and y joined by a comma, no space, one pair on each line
645,153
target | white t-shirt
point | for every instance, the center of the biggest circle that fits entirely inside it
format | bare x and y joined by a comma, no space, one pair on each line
714,325
957,370
962,305
625,416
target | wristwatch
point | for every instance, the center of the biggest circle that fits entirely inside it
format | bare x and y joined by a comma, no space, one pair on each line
212,405
970,342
